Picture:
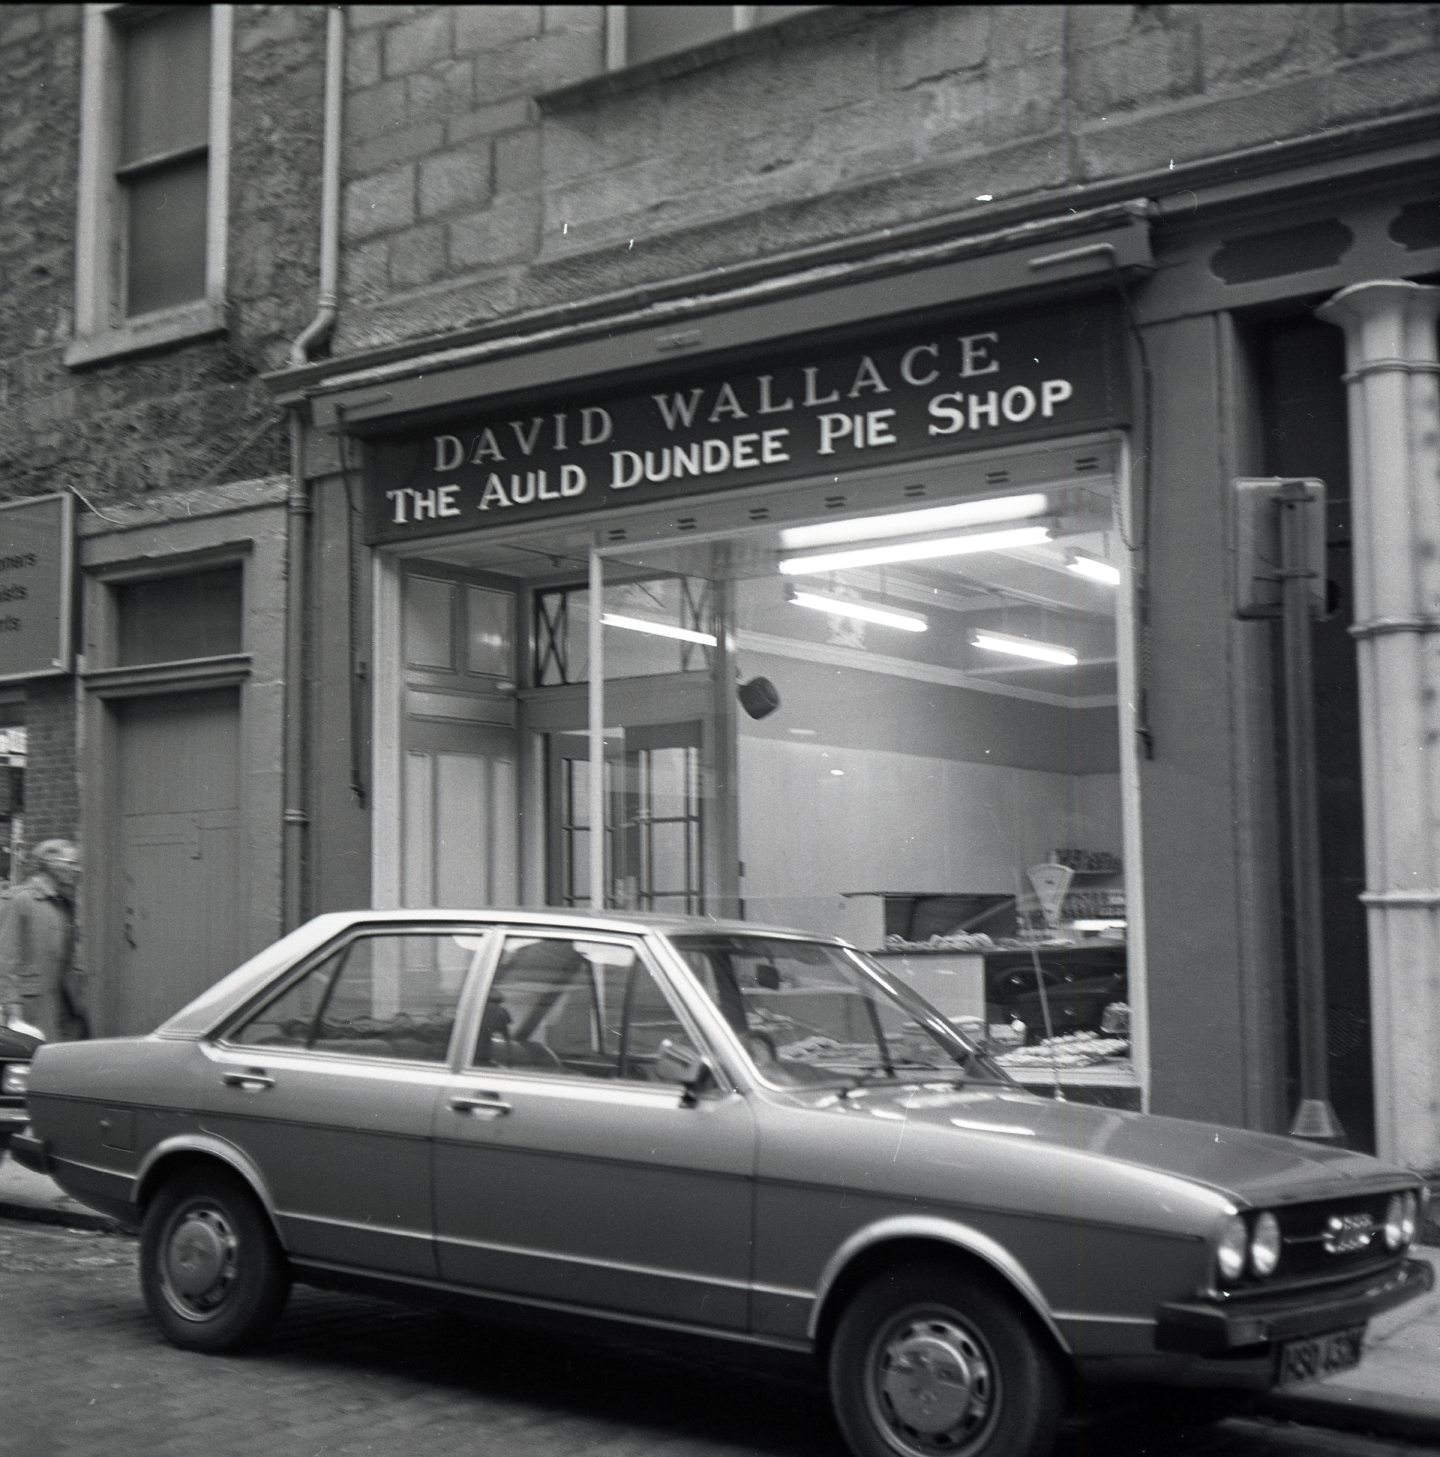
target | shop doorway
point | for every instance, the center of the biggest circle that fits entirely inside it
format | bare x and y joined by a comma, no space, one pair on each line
176,859
459,742
654,818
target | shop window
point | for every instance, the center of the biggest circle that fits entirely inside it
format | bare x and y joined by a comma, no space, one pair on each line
173,619
662,625
940,779
641,33
153,176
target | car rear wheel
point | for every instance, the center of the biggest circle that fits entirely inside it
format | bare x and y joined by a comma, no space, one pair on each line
211,1271
930,1361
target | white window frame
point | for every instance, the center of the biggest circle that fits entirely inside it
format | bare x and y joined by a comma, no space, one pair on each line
101,331
742,17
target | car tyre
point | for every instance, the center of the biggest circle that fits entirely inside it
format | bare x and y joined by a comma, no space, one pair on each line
935,1361
211,1270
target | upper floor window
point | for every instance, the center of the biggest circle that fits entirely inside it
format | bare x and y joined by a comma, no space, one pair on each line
642,32
153,176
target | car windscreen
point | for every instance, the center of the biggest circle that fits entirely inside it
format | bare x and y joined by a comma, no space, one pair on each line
812,1012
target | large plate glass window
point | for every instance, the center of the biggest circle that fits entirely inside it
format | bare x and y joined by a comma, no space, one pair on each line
911,738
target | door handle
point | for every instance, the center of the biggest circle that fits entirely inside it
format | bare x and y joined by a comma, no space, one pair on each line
482,1105
253,1081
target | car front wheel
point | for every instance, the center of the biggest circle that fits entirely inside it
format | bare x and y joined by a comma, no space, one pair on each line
211,1271
930,1361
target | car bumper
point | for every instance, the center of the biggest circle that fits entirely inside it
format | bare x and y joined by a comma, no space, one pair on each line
1208,1328
12,1120
28,1150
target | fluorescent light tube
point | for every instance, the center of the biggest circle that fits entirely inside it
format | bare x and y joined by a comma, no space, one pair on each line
1093,567
657,629
865,611
1024,647
915,551
912,523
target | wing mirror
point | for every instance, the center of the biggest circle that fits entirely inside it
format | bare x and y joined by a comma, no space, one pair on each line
679,1063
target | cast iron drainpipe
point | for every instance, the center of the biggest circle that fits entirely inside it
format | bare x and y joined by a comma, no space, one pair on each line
298,506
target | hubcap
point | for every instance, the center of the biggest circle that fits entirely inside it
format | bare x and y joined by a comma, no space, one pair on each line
198,1267
932,1385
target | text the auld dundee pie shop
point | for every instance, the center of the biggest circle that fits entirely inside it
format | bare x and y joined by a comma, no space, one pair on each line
897,400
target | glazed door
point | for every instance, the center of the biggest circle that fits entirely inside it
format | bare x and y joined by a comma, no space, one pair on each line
654,818
459,777
176,857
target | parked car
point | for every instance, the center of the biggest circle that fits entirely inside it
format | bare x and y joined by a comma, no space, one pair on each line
751,1133
18,1042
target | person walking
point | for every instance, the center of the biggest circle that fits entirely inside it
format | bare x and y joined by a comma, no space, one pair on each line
39,983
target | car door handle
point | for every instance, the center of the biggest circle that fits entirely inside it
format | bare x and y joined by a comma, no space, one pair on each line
252,1081
482,1105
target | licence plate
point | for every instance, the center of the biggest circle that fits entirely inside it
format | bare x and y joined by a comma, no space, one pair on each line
1317,1356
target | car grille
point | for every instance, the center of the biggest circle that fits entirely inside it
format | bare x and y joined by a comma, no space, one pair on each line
1337,1237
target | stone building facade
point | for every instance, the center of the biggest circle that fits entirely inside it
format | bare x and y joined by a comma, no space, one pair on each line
520,212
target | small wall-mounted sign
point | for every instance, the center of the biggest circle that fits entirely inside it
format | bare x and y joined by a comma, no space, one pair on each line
37,575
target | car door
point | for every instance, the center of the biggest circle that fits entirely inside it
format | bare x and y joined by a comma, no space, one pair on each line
329,1088
564,1170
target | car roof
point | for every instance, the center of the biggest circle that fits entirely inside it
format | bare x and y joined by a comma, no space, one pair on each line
218,1001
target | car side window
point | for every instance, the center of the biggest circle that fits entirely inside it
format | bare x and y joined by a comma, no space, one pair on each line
587,1008
382,995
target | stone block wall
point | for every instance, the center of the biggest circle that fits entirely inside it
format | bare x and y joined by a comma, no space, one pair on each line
472,191
197,413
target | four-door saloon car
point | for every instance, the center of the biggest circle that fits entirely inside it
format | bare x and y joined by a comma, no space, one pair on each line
18,1042
711,1127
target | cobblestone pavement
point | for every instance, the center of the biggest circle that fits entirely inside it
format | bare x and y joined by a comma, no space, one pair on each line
85,1375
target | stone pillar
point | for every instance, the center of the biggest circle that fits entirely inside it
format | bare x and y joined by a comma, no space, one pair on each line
1393,379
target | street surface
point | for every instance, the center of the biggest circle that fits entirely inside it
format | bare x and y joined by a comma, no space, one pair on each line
85,1375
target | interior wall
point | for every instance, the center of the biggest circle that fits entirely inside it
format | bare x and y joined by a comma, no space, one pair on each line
865,781
876,820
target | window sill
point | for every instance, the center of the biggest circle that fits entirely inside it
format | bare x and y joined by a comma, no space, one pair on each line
150,331
811,25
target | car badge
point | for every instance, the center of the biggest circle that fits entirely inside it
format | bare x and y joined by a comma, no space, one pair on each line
1347,1233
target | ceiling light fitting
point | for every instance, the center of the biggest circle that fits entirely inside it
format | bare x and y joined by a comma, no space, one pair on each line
657,629
915,551
1095,568
911,523
864,611
1024,647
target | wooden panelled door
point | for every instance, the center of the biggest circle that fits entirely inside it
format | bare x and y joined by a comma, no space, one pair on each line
459,776
176,872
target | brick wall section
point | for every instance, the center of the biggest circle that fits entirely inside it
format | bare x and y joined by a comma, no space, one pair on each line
197,413
52,792
463,202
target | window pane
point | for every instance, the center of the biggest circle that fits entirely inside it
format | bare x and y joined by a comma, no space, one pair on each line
170,619
491,631
429,623
289,1020
656,30
382,996
165,96
165,259
586,1007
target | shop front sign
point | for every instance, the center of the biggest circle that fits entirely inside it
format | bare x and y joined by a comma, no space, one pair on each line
966,383
37,547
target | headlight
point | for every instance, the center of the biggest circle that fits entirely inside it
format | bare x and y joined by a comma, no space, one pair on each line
1232,1250
1402,1217
15,1079
1265,1245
